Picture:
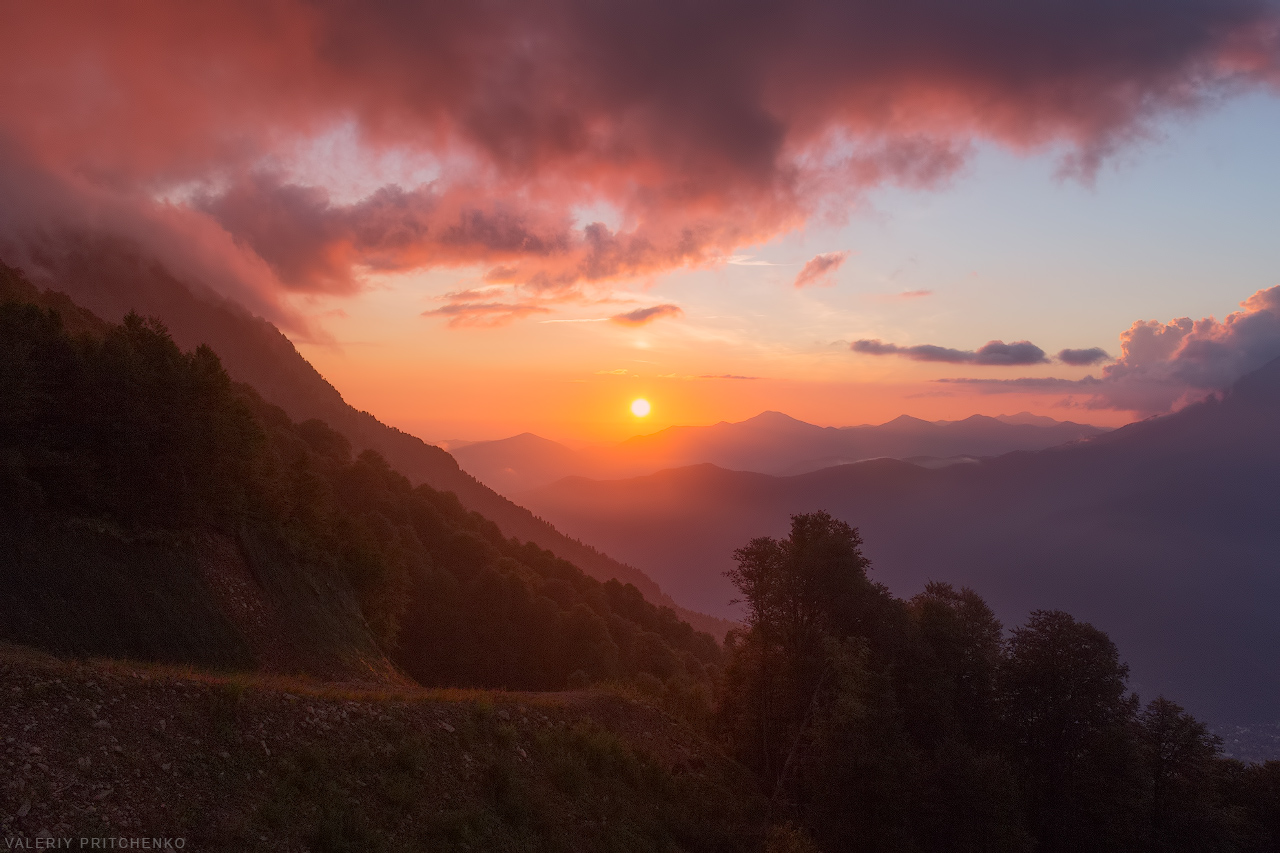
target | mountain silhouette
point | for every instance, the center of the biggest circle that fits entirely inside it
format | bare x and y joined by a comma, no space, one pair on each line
1165,533
109,278
769,443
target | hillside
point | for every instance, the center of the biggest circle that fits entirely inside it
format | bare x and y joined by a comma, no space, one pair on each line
124,750
1163,533
109,279
151,508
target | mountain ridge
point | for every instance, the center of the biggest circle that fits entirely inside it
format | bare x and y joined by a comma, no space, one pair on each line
109,279
770,442
1162,532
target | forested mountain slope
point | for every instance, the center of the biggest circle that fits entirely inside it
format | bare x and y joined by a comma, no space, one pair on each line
111,279
151,508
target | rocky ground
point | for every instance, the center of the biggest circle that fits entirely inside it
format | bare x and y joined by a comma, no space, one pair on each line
103,750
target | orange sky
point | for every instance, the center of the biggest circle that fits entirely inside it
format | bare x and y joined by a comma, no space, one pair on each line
574,381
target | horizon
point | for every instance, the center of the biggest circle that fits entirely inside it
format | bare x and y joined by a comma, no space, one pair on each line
577,444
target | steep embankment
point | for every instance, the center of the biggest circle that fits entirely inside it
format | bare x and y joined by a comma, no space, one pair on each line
110,280
123,750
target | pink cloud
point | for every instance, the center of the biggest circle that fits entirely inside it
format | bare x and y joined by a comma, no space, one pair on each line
643,316
818,269
485,313
750,124
1165,365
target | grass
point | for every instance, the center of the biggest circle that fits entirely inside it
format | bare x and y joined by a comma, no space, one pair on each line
335,767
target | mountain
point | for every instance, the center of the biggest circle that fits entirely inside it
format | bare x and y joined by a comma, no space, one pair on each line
110,278
774,443
1163,533
770,443
510,466
152,509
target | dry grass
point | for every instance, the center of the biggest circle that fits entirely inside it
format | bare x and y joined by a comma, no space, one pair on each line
255,761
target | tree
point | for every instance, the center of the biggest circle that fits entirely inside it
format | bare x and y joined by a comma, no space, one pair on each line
1067,714
1181,764
799,592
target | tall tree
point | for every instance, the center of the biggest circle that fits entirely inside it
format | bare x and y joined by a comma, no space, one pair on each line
1068,714
800,592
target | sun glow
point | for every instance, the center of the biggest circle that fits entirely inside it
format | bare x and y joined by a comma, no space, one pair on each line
640,407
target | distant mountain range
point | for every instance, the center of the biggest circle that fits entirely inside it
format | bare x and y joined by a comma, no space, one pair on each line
769,443
109,278
1165,533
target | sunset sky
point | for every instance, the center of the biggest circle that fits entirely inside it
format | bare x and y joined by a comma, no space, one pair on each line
482,219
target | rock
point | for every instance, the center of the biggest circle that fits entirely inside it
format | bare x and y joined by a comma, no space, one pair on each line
101,724
448,728
23,809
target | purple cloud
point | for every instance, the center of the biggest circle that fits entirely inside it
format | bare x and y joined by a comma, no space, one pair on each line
990,354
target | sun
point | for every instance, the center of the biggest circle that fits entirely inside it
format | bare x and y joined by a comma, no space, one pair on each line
640,407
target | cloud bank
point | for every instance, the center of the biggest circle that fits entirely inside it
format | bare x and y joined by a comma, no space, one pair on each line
1165,365
205,132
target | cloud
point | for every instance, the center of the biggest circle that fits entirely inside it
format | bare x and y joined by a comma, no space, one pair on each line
205,126
750,261
642,316
725,376
1164,365
1083,357
991,354
485,313
621,371
914,294
818,269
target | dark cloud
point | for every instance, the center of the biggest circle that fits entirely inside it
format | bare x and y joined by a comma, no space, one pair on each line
641,316
706,126
1083,357
990,354
1164,365
817,269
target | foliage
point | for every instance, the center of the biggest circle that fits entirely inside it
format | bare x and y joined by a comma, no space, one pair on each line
125,433
886,725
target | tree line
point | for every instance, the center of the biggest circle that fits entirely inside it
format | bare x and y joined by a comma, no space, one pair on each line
883,724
